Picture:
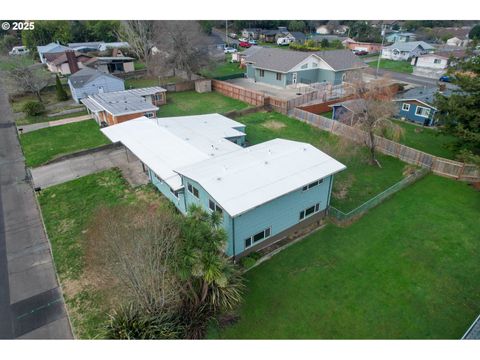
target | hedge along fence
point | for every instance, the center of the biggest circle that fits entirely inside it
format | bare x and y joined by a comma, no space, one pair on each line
440,166
237,92
341,218
231,76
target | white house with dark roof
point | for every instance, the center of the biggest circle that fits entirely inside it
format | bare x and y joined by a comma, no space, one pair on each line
86,82
263,192
281,68
406,50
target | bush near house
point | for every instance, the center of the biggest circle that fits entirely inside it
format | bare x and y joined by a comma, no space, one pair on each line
406,270
33,108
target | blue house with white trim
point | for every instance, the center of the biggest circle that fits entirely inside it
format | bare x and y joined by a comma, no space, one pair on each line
263,192
416,105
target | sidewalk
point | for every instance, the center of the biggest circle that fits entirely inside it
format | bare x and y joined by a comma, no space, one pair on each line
23,129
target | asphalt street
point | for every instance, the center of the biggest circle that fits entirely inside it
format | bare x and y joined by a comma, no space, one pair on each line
31,302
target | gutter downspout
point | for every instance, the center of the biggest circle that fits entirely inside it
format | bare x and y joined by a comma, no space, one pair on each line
233,238
329,192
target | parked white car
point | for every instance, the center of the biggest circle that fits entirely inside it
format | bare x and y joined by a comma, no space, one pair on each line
284,41
18,50
252,42
229,50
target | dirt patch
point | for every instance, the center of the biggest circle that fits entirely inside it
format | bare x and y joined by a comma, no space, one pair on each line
274,125
342,187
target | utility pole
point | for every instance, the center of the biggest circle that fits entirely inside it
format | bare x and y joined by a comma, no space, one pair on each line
226,33
381,48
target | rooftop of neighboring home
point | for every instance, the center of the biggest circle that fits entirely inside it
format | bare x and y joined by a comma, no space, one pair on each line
424,95
90,44
320,37
122,102
298,35
239,179
52,48
62,58
99,45
451,32
284,60
409,46
109,59
473,332
86,75
448,54
355,105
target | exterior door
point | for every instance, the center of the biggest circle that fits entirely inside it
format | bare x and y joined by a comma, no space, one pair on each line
294,78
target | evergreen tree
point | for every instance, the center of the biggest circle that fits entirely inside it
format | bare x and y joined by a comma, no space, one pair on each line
61,93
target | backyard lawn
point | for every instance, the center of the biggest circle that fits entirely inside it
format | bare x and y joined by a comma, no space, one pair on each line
27,120
428,140
406,270
140,83
67,211
193,103
398,66
353,186
46,144
225,68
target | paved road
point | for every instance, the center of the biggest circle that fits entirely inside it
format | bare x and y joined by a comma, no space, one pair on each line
408,78
31,303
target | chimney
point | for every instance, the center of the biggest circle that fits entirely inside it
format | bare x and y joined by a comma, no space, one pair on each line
72,61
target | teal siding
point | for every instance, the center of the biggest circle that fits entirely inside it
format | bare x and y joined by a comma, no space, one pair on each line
303,76
270,77
179,201
250,71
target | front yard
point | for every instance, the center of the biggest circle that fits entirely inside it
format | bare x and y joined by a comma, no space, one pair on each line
193,103
397,66
406,270
46,144
352,187
67,212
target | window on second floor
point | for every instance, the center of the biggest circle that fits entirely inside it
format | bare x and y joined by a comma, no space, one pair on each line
262,73
212,205
193,190
311,185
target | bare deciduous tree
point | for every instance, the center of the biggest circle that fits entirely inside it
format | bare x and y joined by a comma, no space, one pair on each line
376,113
22,77
140,35
135,245
184,44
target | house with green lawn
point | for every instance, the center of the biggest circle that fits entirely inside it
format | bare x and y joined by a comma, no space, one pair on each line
282,68
263,193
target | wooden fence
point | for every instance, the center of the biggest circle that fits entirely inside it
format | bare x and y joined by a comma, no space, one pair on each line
444,167
237,92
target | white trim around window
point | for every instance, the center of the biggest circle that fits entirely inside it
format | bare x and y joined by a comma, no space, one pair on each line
311,210
422,111
260,236
405,107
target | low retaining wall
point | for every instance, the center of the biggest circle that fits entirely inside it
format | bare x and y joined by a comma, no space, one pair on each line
236,113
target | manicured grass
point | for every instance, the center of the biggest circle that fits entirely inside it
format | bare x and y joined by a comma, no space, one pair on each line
352,187
193,103
46,144
428,140
407,270
67,210
398,66
140,83
43,118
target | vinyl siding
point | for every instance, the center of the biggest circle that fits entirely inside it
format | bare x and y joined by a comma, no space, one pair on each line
410,114
165,190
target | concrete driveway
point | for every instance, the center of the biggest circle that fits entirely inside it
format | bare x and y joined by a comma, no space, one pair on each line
268,90
90,162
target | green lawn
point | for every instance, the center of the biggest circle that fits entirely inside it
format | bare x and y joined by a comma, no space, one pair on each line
353,186
327,114
407,270
140,83
426,139
67,210
398,66
225,68
193,103
27,120
46,144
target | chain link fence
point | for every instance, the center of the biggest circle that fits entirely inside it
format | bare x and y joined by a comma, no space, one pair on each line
342,218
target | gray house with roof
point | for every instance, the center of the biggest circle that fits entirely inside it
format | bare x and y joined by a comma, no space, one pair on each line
281,68
406,50
88,81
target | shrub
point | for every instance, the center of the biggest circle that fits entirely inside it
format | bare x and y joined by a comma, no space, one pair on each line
130,322
250,260
60,91
33,108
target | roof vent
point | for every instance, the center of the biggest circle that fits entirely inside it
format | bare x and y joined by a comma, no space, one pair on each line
266,162
219,178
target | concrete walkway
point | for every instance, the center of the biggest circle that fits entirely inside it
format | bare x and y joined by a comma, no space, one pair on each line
23,129
85,164
31,302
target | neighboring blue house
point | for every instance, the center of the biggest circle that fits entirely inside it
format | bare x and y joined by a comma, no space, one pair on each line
280,67
264,192
400,37
417,105
89,81
406,50
52,48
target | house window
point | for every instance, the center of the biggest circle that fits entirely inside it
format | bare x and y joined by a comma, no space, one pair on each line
309,211
437,61
279,77
262,73
304,66
149,115
175,193
158,97
422,111
193,190
405,107
262,235
311,185
214,206
344,77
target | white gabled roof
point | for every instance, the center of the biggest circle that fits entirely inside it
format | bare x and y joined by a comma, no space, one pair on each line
166,144
247,178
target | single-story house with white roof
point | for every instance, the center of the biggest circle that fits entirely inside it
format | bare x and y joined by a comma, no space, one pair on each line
263,192
406,50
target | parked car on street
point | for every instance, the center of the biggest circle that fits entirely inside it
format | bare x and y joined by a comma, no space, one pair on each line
284,41
445,78
252,42
18,50
360,52
229,50
245,44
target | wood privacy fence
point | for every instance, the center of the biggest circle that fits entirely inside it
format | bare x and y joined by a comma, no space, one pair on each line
237,92
444,167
